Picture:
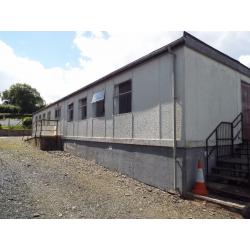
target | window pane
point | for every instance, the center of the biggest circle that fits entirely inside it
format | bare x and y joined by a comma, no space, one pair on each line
71,112
83,112
57,113
83,109
125,103
125,87
100,109
123,100
98,96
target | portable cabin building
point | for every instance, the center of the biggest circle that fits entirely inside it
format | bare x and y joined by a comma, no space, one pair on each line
150,119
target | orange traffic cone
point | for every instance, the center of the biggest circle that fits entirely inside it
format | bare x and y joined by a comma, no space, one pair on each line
200,187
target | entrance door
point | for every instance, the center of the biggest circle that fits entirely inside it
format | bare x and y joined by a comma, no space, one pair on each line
245,98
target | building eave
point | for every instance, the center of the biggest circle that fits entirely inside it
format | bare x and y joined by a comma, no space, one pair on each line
186,40
137,62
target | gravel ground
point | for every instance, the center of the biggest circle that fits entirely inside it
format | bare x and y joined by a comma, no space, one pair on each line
38,184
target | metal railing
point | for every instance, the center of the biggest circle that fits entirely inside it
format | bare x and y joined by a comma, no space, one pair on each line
223,139
45,128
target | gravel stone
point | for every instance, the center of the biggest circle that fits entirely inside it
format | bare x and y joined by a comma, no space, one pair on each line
39,184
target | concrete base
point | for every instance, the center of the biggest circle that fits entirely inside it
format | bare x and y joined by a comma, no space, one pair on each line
231,205
149,164
47,143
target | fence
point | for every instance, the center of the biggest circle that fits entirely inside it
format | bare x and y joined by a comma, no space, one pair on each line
45,128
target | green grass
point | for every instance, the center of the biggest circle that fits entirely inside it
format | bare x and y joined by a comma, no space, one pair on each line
18,127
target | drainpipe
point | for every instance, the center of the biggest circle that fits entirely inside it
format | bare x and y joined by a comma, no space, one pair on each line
174,116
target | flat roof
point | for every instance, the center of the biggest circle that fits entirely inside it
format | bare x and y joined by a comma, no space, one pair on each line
187,40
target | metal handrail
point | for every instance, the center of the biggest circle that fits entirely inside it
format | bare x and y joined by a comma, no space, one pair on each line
40,126
228,135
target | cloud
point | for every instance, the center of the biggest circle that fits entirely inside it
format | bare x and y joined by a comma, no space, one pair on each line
101,53
52,83
245,59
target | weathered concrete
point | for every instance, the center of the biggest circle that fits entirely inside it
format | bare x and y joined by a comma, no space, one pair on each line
230,205
149,164
15,132
152,165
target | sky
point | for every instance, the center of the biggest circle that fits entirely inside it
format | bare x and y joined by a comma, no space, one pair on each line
58,63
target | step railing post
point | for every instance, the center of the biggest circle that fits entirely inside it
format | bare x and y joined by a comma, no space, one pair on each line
207,172
216,144
232,140
248,165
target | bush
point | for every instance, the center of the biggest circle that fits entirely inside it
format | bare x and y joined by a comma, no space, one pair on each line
7,108
27,122
0,126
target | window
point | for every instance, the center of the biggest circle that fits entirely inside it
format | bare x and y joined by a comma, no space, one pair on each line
98,102
123,98
83,109
49,115
99,109
70,112
58,113
40,117
44,116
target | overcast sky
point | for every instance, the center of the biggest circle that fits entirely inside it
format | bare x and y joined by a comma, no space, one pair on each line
58,63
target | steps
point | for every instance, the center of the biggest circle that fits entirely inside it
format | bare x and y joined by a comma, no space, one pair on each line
233,169
230,148
241,194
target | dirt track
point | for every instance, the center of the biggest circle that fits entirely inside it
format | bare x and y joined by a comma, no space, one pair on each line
37,184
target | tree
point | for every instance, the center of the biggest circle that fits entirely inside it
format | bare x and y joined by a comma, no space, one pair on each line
23,96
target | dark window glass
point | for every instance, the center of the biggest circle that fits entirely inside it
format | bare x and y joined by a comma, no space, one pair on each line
99,109
83,109
71,112
57,113
49,115
123,98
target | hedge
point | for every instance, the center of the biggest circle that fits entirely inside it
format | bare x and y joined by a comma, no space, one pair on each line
7,108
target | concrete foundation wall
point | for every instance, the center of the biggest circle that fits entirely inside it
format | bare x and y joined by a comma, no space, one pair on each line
148,164
46,143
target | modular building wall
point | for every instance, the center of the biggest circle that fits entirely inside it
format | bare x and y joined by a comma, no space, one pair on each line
151,119
138,144
212,95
